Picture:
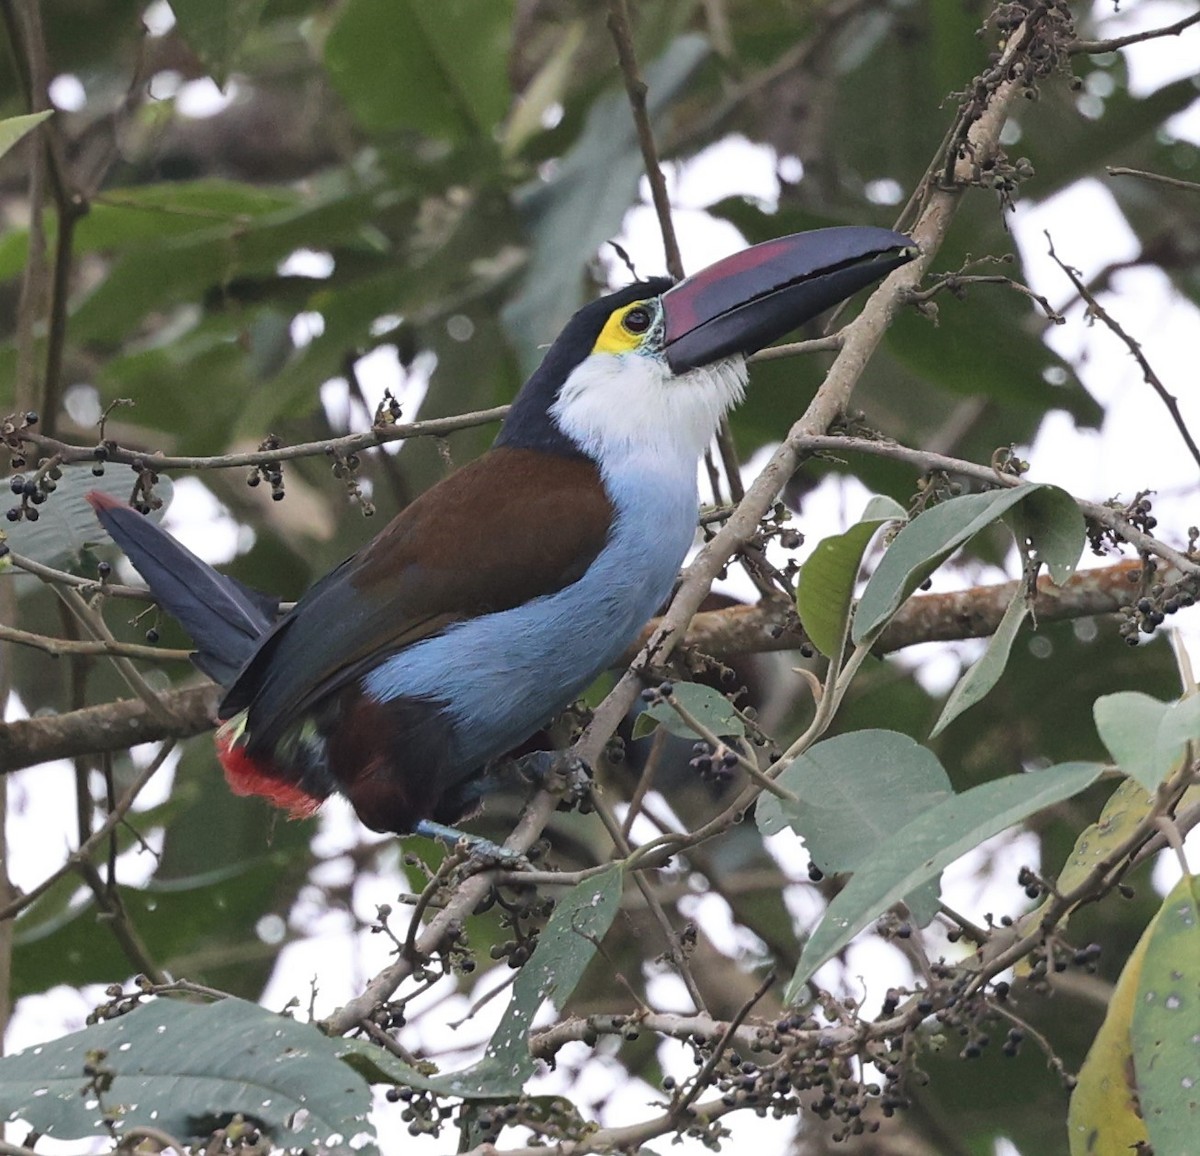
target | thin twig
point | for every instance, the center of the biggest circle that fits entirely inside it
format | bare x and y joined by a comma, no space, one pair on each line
1173,182
60,646
86,586
1099,46
94,624
83,854
701,1080
349,443
635,86
1149,376
953,282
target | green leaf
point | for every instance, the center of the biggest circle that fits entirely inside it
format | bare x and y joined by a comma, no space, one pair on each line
1014,371
1145,737
985,673
927,541
565,948
1065,146
437,68
216,29
66,524
1126,808
1049,519
16,127
707,706
923,848
573,214
852,792
148,278
185,1069
149,214
546,89
827,578
1166,1015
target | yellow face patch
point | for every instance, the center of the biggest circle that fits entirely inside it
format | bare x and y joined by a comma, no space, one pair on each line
626,329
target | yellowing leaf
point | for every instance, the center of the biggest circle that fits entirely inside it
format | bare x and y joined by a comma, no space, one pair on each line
1104,1118
1126,808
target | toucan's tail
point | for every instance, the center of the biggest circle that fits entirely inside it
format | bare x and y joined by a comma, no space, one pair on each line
224,618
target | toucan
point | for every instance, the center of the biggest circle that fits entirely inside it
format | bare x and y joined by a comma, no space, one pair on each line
406,675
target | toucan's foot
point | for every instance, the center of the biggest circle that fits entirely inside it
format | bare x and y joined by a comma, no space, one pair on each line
484,850
549,769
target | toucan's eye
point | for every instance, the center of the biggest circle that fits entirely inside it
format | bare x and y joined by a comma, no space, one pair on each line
637,320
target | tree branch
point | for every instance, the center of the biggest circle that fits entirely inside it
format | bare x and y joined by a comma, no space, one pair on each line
377,435
108,728
859,340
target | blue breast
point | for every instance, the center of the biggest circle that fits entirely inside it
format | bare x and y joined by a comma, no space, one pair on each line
505,675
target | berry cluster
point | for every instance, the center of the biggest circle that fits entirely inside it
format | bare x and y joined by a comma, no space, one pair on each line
33,492
270,472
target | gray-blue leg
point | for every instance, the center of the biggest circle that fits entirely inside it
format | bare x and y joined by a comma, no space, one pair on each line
479,846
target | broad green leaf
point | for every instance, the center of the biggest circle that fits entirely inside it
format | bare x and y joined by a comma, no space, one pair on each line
1103,1118
148,214
1166,1023
582,205
184,1068
437,68
827,578
984,674
1065,146
16,127
706,705
216,30
66,524
148,278
852,792
1145,737
922,546
1014,371
565,948
546,89
923,848
1050,519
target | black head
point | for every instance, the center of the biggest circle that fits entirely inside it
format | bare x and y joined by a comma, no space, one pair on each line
529,424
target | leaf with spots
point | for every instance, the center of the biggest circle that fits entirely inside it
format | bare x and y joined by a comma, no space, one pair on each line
564,949
1166,1023
187,1069
1104,1118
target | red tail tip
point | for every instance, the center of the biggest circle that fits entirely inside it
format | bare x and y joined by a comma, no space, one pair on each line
99,500
247,776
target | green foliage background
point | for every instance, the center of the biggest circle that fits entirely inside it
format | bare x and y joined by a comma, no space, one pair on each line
461,163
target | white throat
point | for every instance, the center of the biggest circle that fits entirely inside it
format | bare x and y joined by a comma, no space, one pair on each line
618,406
